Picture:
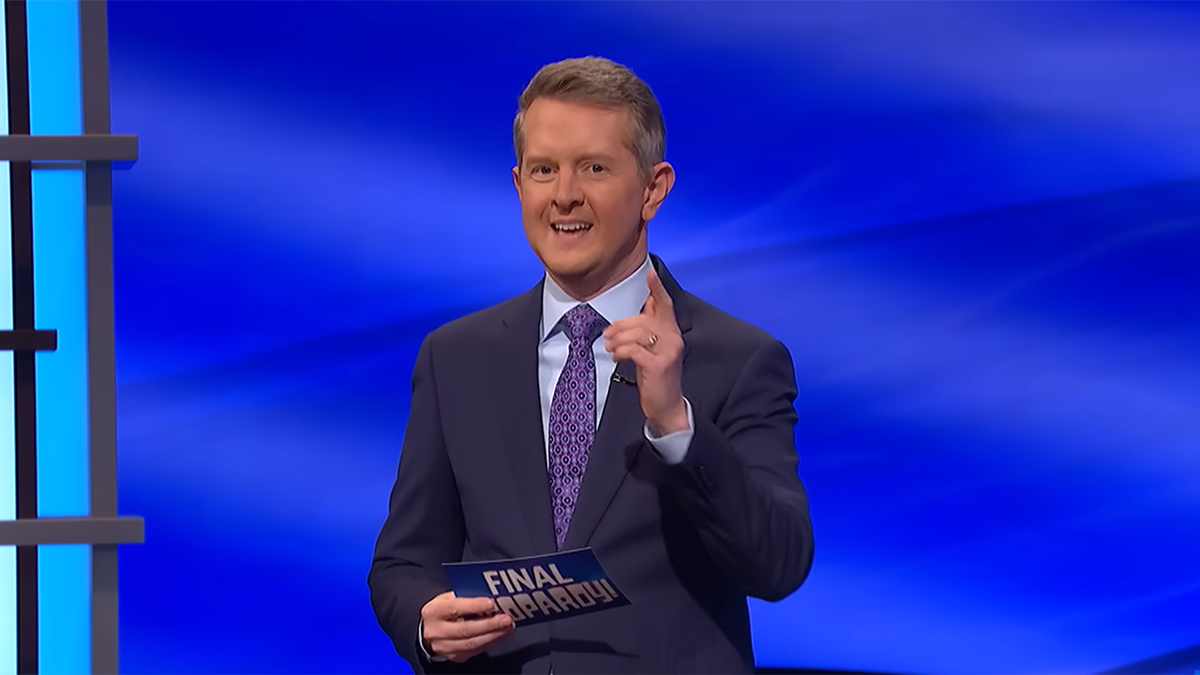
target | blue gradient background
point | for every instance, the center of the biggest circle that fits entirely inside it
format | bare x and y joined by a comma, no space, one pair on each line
974,225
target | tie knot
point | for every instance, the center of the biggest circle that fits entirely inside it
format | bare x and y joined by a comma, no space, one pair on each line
583,323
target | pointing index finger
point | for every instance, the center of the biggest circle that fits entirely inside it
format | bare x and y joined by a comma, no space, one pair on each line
657,290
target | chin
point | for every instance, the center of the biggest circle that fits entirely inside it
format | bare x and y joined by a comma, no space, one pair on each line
569,264
573,269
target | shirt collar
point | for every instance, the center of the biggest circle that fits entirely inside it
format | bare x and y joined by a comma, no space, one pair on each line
619,302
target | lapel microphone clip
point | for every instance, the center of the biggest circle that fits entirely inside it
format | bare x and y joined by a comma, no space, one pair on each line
619,378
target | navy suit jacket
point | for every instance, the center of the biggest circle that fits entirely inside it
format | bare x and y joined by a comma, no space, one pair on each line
686,543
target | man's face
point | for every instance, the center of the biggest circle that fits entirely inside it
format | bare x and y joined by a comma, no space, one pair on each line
583,201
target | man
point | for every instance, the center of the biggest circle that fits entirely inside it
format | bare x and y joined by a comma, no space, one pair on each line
682,474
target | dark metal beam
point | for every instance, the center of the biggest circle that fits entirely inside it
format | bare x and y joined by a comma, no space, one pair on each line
90,147
25,420
28,340
71,530
102,377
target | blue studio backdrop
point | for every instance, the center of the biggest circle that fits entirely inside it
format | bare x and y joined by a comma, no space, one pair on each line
974,225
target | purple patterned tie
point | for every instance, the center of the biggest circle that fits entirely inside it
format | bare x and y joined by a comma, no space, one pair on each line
573,415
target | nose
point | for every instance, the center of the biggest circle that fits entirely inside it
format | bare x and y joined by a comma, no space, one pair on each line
567,192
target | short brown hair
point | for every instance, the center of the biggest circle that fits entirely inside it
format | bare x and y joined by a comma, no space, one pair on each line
600,82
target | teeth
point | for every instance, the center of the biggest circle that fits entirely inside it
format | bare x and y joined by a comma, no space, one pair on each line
570,227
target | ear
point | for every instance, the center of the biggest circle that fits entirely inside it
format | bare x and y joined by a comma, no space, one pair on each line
516,171
662,179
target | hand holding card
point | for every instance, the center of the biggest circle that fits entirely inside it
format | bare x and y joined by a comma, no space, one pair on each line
459,628
539,588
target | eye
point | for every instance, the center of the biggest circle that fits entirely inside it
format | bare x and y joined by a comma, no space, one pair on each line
596,168
541,170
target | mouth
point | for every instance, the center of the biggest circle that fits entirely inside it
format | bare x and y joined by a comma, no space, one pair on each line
571,228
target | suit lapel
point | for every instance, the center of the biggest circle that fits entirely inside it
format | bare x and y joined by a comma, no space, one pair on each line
513,371
620,437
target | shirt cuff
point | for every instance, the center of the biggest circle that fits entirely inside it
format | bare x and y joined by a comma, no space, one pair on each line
672,448
433,658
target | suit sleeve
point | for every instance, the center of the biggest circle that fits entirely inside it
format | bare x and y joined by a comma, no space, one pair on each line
738,482
424,525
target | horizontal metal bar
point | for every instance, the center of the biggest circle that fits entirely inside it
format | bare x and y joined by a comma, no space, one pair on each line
26,340
72,530
64,165
83,148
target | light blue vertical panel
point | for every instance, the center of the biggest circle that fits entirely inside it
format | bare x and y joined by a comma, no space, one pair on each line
55,94
64,637
59,304
8,446
8,451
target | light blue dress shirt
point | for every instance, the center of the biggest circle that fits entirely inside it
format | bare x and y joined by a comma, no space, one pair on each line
619,302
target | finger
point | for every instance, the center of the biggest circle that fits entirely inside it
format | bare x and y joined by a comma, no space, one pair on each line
461,607
465,649
453,609
638,334
649,338
650,306
475,640
439,608
657,291
627,350
627,323
640,356
467,628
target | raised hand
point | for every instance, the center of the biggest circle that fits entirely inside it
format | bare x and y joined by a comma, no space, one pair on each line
653,342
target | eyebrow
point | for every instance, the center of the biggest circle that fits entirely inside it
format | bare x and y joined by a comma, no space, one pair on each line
598,157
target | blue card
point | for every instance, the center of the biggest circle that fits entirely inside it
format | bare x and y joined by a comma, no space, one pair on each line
539,588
